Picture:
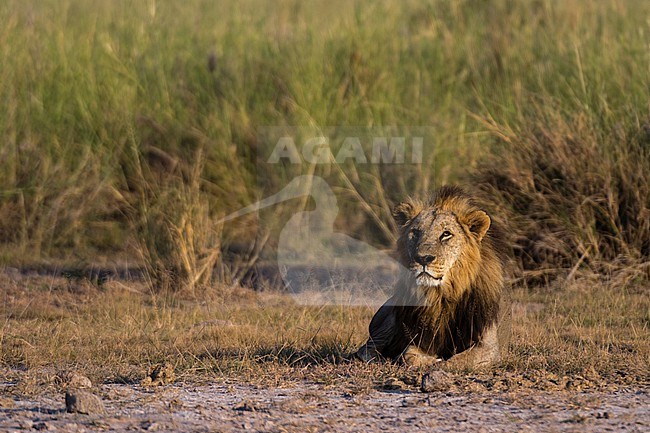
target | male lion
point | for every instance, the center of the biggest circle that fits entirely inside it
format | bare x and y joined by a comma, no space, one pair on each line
450,302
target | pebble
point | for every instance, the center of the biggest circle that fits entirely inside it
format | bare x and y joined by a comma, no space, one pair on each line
78,381
77,401
160,374
436,381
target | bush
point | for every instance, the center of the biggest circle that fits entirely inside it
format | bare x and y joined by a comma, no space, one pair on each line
573,191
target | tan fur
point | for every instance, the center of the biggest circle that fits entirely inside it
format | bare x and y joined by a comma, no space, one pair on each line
450,302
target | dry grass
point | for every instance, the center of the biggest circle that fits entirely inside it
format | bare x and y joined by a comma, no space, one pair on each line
589,329
176,239
576,193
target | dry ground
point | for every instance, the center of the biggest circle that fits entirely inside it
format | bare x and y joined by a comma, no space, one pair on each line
224,406
580,360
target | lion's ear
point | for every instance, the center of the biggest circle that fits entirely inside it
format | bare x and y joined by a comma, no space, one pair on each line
406,211
478,223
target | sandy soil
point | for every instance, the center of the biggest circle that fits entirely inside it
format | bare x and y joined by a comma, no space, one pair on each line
307,407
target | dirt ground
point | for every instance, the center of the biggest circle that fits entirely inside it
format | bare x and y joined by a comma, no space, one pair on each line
311,407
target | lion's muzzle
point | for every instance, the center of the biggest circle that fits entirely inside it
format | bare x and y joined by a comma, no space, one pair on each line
425,276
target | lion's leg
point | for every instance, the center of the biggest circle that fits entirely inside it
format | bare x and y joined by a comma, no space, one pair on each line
484,354
415,357
384,338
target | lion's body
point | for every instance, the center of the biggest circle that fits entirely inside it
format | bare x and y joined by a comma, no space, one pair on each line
451,302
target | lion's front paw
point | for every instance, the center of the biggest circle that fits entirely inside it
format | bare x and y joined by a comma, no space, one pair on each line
367,353
414,357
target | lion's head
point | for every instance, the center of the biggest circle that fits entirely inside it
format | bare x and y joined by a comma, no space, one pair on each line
441,240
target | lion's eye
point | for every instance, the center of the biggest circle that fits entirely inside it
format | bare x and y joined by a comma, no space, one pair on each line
445,235
415,233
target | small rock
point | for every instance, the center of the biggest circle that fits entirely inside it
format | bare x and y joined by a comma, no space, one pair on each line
76,380
414,402
40,426
175,404
25,424
77,401
436,381
150,425
393,383
245,405
160,374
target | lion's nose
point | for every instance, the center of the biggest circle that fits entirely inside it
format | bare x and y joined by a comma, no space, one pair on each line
424,260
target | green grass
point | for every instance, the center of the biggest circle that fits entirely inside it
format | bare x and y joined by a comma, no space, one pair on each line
107,106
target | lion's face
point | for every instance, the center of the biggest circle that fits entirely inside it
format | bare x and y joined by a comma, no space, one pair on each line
440,246
434,243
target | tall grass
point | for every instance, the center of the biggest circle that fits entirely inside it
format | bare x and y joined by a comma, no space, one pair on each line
178,242
576,194
92,91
